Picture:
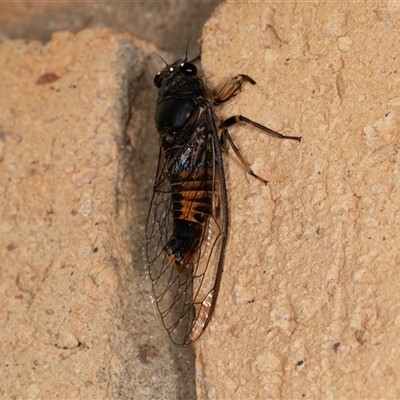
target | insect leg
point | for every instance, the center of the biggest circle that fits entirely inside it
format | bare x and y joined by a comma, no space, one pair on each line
231,88
226,136
239,118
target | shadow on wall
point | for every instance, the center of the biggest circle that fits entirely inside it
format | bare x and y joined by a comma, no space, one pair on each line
168,24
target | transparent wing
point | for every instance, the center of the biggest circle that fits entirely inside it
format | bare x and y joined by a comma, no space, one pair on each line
185,297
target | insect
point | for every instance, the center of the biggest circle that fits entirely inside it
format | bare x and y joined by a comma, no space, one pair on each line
187,224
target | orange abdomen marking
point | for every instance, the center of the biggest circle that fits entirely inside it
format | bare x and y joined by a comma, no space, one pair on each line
193,199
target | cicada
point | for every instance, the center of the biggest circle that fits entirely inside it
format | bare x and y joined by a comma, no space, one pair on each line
187,224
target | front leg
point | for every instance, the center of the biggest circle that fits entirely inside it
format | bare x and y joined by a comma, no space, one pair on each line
232,88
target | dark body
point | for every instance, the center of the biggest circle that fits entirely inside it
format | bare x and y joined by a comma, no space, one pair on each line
186,128
187,224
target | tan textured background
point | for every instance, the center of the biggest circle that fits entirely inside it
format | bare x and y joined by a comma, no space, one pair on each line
309,303
64,253
76,317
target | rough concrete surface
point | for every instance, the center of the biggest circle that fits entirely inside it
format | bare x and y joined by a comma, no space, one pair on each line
167,23
76,315
135,360
308,306
309,302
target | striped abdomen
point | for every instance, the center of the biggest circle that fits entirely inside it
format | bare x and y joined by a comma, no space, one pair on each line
193,195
